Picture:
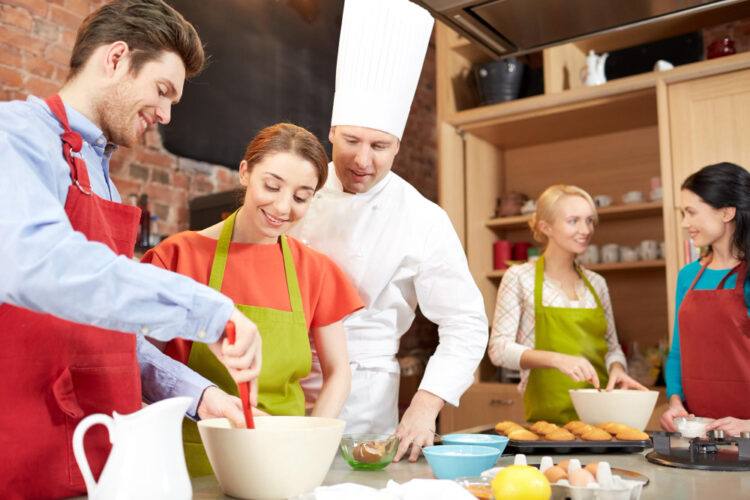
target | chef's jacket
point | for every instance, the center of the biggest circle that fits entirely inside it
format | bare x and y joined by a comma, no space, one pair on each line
48,267
400,250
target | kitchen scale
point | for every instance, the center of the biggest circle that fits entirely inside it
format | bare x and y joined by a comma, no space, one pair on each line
714,452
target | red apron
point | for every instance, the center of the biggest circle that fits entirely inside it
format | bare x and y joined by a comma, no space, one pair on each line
56,372
715,348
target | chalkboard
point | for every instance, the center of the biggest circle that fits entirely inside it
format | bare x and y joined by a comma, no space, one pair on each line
271,61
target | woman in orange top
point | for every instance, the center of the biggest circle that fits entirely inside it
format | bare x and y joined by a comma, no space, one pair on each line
284,287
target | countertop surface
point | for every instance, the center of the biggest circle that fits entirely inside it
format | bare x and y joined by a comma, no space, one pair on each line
664,482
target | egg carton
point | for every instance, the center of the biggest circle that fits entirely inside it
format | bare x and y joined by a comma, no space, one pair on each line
608,486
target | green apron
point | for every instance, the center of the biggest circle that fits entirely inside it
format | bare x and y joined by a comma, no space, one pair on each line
574,331
286,352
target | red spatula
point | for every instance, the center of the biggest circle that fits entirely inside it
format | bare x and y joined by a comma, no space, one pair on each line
243,386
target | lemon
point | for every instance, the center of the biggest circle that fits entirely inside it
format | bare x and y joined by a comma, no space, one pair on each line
521,482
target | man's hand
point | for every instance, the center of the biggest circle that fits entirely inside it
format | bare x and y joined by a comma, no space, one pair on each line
730,425
417,427
578,368
619,378
216,403
243,358
676,409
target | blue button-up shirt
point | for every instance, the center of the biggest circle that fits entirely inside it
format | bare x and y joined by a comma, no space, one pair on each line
48,267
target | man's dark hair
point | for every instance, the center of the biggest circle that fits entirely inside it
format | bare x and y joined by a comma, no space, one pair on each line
149,27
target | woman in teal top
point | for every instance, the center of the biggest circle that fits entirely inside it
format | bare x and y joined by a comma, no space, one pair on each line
708,367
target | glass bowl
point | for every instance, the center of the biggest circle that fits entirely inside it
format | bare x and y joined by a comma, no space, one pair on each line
369,451
478,486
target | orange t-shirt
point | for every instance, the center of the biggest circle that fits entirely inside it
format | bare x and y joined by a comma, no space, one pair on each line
255,276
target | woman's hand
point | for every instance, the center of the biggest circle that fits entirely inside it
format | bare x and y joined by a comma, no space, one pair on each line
216,403
243,358
730,425
578,368
618,378
676,409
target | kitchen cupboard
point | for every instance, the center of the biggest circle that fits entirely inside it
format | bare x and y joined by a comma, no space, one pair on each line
622,136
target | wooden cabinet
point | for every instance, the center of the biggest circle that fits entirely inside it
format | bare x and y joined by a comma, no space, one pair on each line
609,139
484,403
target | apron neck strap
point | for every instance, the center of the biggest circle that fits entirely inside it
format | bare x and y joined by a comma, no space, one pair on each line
539,283
740,269
71,141
220,262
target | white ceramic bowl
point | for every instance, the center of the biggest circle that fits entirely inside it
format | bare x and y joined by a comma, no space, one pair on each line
281,458
629,407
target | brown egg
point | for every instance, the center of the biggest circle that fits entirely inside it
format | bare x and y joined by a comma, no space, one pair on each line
580,477
593,467
369,452
563,464
555,473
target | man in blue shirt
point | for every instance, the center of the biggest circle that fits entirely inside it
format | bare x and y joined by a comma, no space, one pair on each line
128,67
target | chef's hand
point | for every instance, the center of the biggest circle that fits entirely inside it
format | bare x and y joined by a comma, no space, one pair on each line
619,378
243,358
676,409
417,427
730,425
578,368
216,403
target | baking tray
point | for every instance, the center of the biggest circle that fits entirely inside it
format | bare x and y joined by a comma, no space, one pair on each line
571,447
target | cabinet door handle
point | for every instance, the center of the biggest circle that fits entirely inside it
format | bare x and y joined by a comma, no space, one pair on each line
502,402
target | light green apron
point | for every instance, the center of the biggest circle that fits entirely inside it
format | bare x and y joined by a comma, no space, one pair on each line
286,352
574,331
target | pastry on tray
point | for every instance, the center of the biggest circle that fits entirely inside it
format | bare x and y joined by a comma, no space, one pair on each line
537,426
612,427
502,426
559,434
546,428
596,434
582,429
522,435
573,424
631,434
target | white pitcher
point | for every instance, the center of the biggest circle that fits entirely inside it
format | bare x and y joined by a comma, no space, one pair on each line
594,69
146,461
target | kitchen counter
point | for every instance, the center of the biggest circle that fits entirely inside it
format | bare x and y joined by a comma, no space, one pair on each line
665,482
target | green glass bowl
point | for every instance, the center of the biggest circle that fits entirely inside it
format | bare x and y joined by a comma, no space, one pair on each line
368,451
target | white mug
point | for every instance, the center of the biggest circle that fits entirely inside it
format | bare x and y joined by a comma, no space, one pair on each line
602,200
632,197
662,250
590,255
628,254
648,250
610,252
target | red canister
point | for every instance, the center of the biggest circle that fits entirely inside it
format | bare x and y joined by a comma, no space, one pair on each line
502,254
521,250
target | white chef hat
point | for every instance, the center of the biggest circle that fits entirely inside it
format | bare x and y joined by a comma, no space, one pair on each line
381,52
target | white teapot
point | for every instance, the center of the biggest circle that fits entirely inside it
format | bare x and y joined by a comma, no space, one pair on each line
147,460
594,70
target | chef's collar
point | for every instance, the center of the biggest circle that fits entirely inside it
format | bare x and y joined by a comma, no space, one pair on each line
86,128
333,184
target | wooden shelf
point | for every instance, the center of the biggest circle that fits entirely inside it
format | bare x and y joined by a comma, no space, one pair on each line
629,211
584,111
497,274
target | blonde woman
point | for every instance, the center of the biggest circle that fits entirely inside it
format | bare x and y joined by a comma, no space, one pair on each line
553,319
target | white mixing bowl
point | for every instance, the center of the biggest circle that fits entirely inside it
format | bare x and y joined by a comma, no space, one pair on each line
281,458
629,407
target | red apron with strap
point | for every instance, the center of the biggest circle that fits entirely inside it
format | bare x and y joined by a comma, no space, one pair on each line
715,348
57,371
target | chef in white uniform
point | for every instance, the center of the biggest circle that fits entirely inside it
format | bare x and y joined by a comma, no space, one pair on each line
399,249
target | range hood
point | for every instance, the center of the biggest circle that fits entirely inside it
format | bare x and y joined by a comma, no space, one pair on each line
515,27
